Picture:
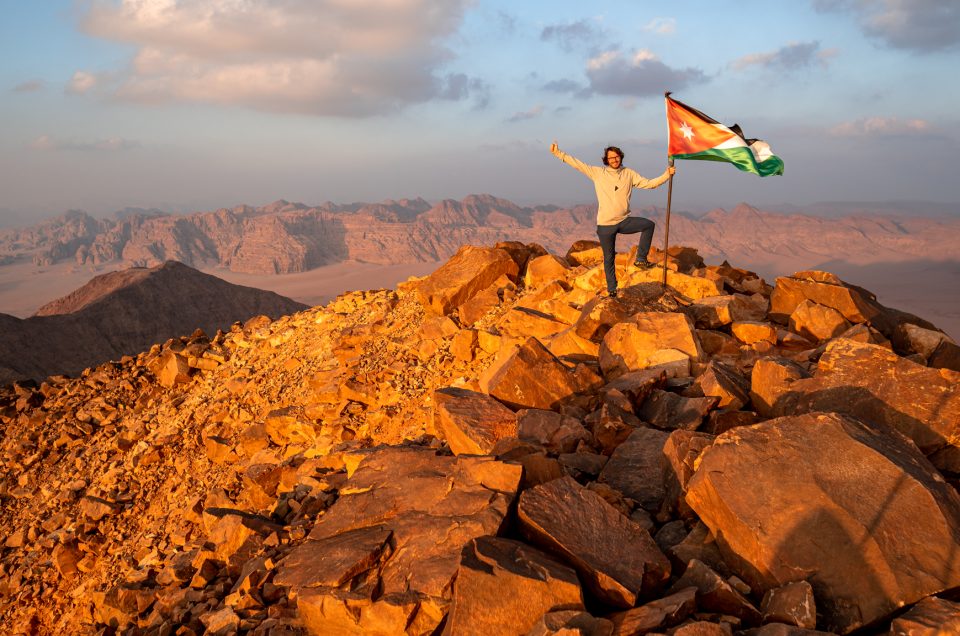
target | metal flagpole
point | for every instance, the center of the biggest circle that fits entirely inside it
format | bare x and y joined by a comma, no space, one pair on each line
666,233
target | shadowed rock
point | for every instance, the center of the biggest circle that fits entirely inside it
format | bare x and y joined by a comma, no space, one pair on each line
857,511
657,615
617,560
930,617
634,467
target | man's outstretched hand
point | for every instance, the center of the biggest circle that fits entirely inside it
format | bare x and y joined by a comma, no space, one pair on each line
554,148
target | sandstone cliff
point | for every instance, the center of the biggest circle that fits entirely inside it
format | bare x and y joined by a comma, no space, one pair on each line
123,313
499,449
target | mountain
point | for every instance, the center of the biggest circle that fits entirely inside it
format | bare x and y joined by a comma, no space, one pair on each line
284,237
123,313
496,448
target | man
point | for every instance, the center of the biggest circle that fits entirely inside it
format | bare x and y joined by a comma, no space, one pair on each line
614,185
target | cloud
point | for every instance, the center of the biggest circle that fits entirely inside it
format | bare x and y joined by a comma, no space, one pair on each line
882,127
533,113
792,57
322,57
922,26
641,74
562,86
113,144
81,82
661,26
31,86
573,35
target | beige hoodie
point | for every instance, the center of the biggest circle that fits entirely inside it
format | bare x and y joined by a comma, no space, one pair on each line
613,187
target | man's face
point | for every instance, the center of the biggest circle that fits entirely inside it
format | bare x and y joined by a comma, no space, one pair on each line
613,160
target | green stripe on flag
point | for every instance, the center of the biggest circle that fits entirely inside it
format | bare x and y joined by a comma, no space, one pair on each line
741,157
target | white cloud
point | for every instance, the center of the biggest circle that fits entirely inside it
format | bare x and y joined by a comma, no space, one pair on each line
641,74
923,26
533,113
661,26
349,58
881,127
570,36
791,57
112,144
81,82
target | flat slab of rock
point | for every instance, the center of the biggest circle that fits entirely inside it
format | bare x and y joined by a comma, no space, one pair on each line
874,384
857,511
657,615
430,506
617,560
504,587
930,617
471,423
468,272
668,410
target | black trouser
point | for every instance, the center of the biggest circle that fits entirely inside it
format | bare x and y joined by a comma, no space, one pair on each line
608,242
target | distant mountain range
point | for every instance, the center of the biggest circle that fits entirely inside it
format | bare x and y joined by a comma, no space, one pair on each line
125,312
285,237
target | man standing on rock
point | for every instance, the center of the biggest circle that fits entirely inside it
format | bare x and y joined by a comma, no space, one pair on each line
614,185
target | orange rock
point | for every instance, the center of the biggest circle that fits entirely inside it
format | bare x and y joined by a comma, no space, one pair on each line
544,269
630,345
751,331
817,322
472,423
469,271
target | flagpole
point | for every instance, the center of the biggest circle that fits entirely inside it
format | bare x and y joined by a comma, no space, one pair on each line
666,233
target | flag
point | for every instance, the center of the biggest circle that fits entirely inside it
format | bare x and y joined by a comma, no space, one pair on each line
693,135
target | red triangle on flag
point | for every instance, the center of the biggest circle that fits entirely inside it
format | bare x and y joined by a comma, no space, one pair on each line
690,133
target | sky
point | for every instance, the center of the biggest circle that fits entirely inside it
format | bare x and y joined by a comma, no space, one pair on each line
192,105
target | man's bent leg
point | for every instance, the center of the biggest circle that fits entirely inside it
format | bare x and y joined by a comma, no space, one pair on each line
646,227
608,243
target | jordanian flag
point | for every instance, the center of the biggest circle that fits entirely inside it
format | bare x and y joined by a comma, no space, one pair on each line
694,135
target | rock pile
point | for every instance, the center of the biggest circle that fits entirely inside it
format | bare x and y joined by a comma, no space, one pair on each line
497,449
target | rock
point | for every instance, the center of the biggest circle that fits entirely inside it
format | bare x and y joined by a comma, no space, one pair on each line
714,594
471,423
432,505
586,253
695,287
717,311
679,456
469,271
544,269
520,322
172,369
571,623
610,426
855,510
667,410
753,331
556,432
817,322
946,356
634,467
529,376
96,508
655,616
872,383
598,316
630,345
617,560
730,388
723,420
465,344
287,426
221,622
854,303
470,311
770,380
930,617
703,628
792,603
504,587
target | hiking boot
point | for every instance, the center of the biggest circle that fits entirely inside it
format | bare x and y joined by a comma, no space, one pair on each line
612,294
642,264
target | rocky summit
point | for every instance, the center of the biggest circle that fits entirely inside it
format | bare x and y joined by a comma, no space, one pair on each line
498,448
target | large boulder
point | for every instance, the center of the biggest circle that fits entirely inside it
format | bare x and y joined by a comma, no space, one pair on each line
617,559
853,303
384,556
634,467
876,385
634,344
854,509
467,273
544,269
529,376
504,587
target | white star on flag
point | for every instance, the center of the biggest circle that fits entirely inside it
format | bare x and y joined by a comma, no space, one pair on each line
687,131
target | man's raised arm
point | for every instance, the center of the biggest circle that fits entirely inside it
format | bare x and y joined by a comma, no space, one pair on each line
570,160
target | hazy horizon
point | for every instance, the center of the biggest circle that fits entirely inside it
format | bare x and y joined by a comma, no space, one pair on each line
200,104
